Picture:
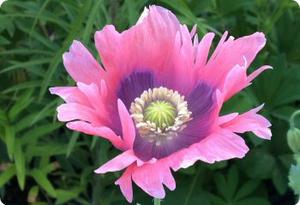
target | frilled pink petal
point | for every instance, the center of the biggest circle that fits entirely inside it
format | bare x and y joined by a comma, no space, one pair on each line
221,145
70,95
220,44
75,111
250,122
103,132
168,179
226,118
203,50
118,163
128,128
152,177
230,54
258,71
184,59
140,162
235,81
92,93
84,102
142,42
81,65
125,183
157,43
98,102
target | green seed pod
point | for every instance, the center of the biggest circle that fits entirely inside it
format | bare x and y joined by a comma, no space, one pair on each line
294,178
293,138
161,113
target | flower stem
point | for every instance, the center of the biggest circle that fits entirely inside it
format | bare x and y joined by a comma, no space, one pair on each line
156,201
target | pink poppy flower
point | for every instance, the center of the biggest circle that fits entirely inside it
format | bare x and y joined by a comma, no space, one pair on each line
157,98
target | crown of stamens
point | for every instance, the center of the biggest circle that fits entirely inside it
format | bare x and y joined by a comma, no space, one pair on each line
159,114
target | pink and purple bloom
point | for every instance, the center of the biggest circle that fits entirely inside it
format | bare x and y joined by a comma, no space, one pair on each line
157,98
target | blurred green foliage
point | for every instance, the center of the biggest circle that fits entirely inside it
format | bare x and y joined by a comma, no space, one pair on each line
42,162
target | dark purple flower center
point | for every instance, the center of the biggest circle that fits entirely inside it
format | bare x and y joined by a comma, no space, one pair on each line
156,138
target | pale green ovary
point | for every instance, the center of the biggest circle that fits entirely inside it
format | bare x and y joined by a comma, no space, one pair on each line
161,113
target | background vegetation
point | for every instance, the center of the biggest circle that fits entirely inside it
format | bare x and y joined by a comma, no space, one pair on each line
42,162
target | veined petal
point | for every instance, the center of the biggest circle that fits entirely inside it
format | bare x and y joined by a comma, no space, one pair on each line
92,93
150,181
84,102
250,122
157,44
258,72
151,177
203,50
226,118
235,81
81,65
230,53
70,95
168,179
128,128
74,111
125,183
221,145
118,163
103,132
96,99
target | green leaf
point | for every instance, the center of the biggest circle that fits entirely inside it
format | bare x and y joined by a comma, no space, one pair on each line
10,140
20,164
221,184
39,14
253,200
226,7
38,37
217,165
284,112
75,28
216,200
131,7
7,174
232,181
28,65
280,180
42,180
91,21
50,149
246,189
22,86
3,118
4,41
228,186
72,143
23,51
40,203
23,102
27,120
64,196
254,164
32,135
